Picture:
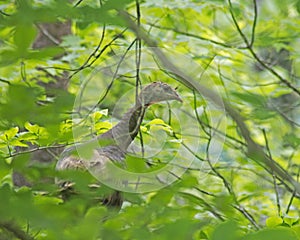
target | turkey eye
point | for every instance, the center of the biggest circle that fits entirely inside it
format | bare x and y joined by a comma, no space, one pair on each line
165,87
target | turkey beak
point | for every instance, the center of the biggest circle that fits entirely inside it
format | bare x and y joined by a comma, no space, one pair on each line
177,97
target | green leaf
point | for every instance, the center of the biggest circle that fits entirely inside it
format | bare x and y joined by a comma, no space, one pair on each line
274,234
107,13
5,194
262,114
33,128
102,127
156,121
251,98
4,169
24,36
274,221
292,140
203,235
96,116
20,105
9,134
298,6
18,143
136,164
8,56
224,203
157,124
43,53
179,229
227,230
162,198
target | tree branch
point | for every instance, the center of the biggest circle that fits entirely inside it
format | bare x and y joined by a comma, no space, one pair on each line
254,151
12,228
253,53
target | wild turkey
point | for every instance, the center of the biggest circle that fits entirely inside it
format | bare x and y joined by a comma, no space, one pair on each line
119,137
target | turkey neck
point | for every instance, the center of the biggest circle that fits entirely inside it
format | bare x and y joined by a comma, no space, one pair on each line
126,130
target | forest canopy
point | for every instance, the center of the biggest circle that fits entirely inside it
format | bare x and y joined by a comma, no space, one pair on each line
221,164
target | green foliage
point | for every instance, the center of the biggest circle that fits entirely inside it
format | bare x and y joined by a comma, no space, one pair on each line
230,231
79,86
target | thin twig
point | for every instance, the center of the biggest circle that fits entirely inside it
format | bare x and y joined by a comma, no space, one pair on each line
290,203
247,215
229,188
34,150
77,3
254,23
273,175
138,55
293,195
245,84
108,88
204,203
5,81
93,55
195,36
198,117
5,14
253,53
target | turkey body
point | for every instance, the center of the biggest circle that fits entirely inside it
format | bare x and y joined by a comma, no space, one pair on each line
100,157
112,145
